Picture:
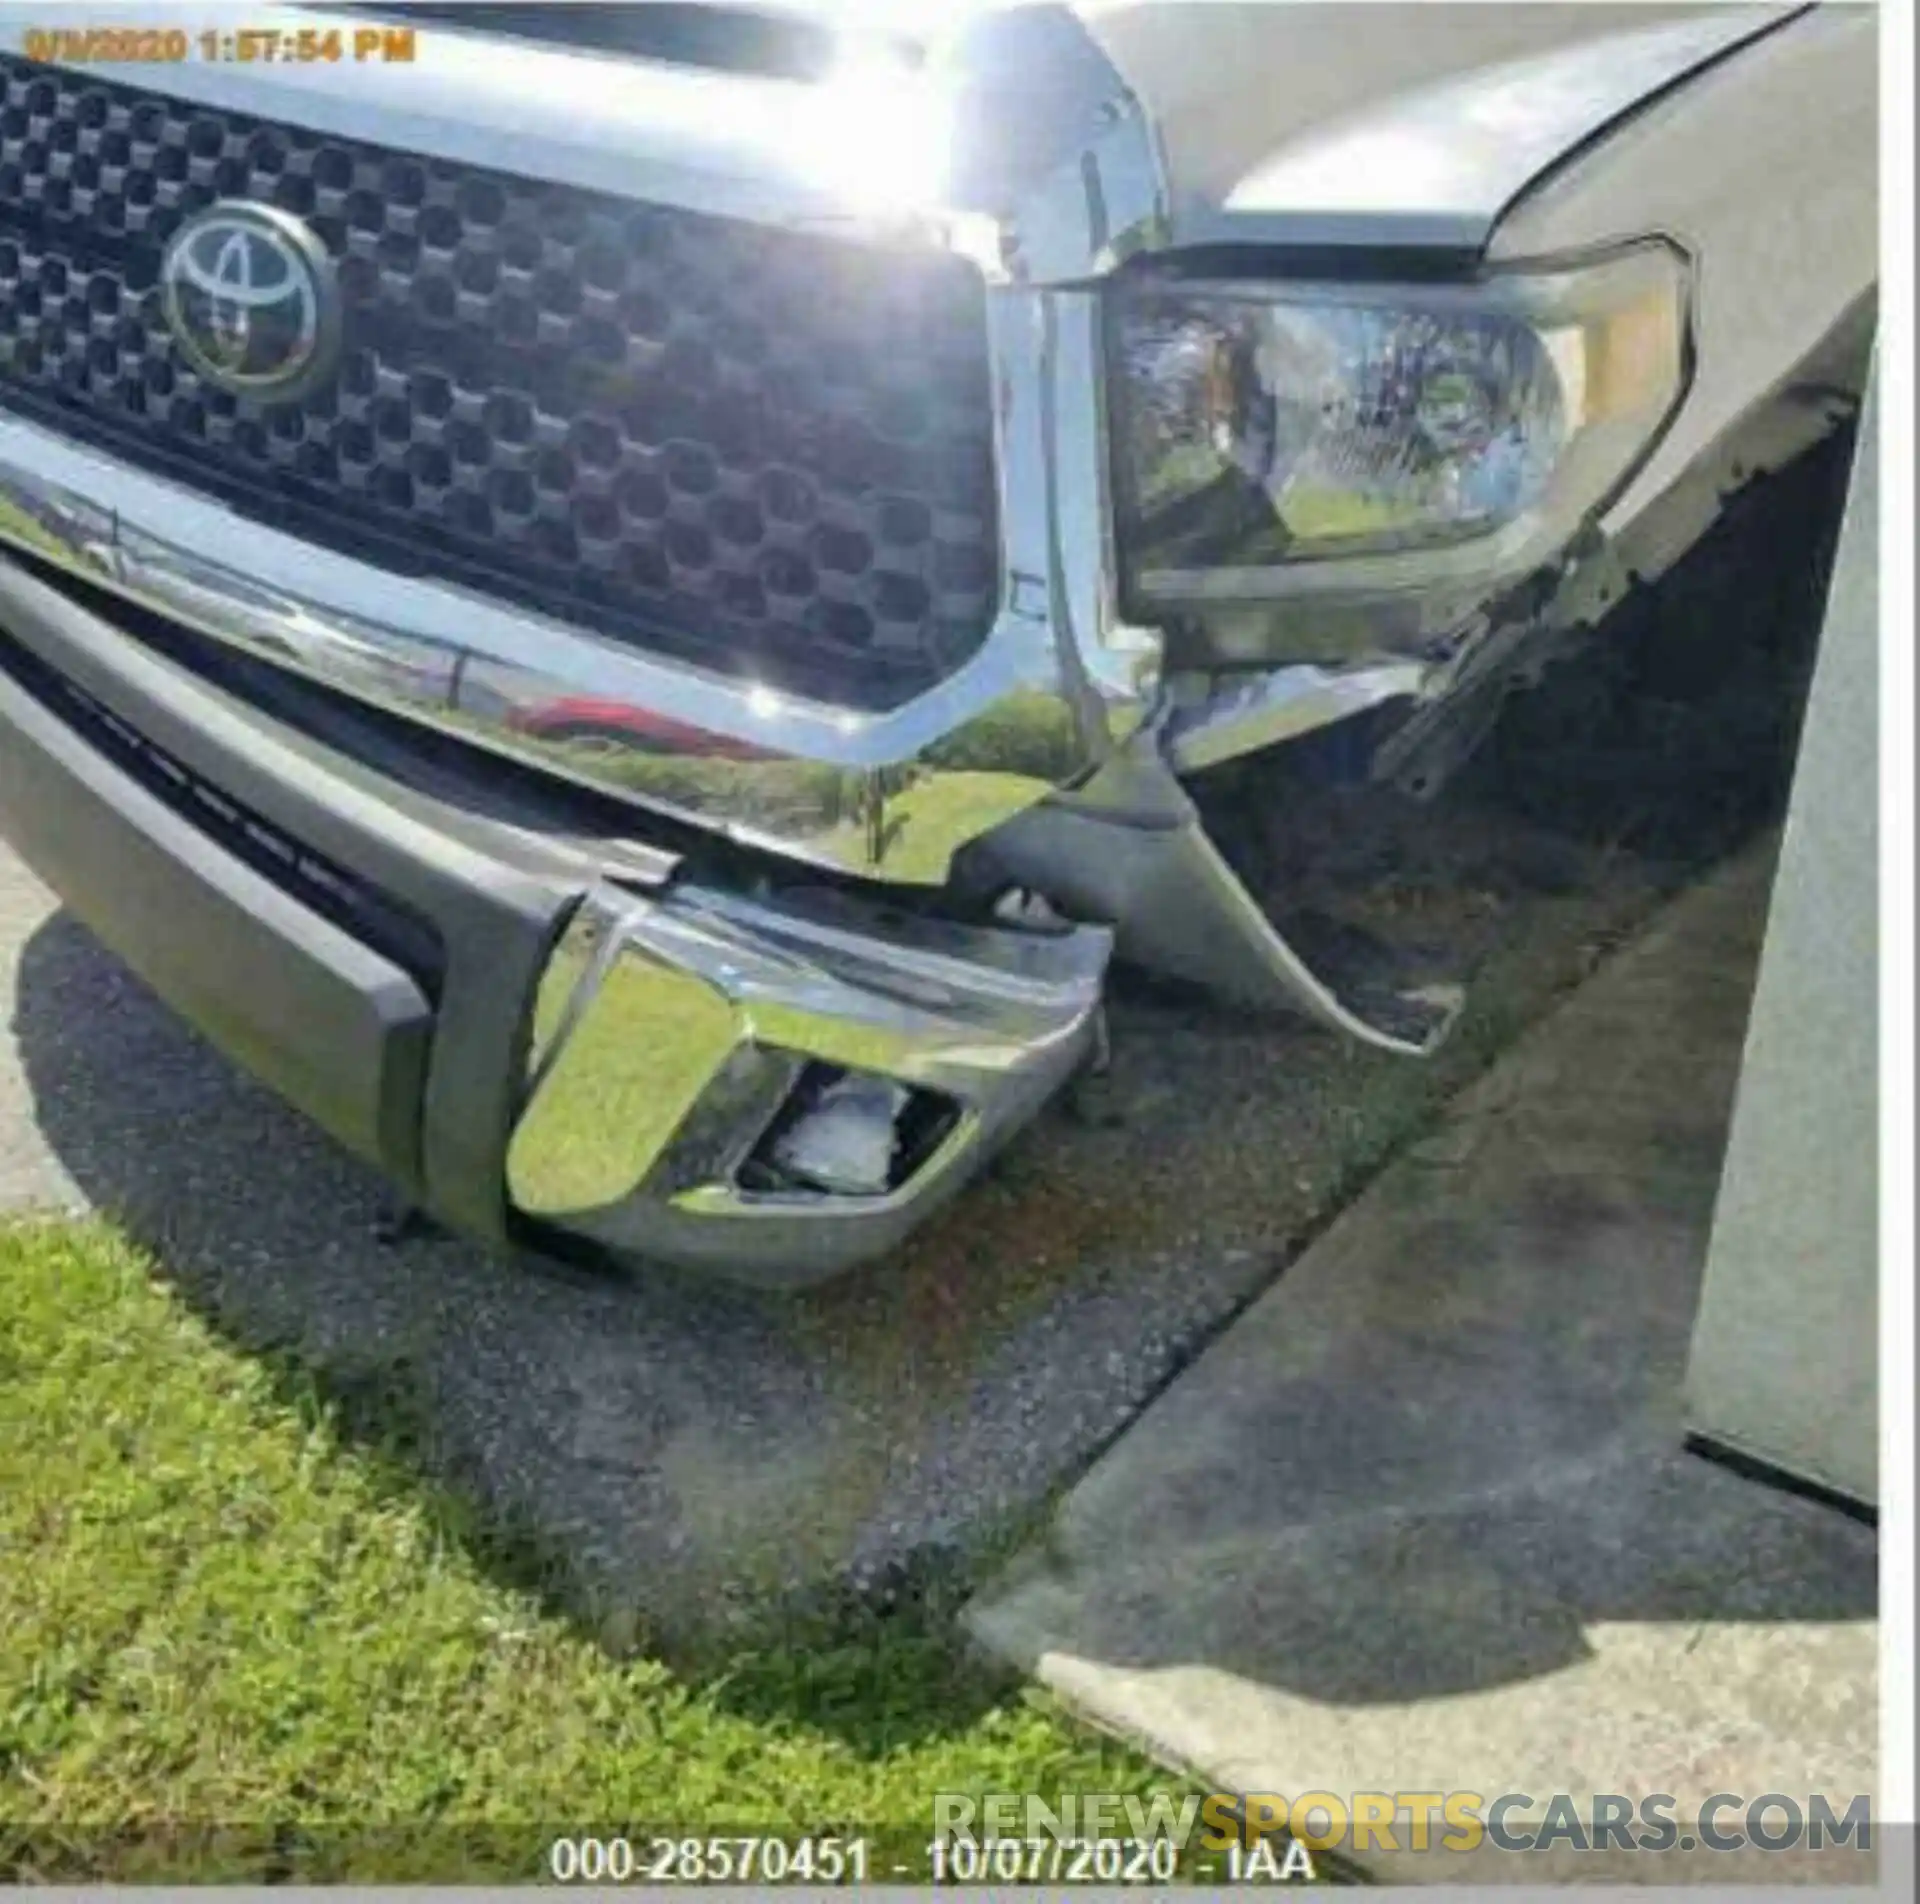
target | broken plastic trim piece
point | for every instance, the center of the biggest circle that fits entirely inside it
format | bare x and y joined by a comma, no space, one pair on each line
843,1142
1178,908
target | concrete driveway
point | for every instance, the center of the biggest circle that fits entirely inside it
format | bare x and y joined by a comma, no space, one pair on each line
1421,1520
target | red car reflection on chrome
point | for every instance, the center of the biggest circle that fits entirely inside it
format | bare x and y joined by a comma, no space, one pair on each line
620,724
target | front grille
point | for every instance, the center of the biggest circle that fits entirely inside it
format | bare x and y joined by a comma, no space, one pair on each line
765,452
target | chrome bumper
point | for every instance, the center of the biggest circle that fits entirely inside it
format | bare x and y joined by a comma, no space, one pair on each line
679,1036
973,765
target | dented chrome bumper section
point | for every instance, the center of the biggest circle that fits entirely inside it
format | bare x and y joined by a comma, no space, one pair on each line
897,796
778,1089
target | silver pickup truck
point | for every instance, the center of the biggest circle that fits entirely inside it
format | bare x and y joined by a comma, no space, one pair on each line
623,601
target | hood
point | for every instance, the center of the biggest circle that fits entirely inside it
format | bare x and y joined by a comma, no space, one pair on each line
1117,122
1305,122
1290,121
1318,123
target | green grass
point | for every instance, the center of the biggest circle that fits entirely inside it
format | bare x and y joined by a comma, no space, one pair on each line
229,1599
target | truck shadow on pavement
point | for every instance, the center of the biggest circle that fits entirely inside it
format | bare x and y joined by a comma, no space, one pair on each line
540,1414
670,1454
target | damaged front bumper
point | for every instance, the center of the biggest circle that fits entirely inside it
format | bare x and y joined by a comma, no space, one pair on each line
554,1017
751,1016
540,1033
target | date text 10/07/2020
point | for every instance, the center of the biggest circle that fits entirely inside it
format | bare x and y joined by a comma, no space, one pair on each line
226,45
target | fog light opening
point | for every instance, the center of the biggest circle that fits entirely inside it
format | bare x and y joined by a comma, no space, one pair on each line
848,1134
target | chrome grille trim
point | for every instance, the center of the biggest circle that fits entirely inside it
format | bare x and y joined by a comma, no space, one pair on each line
892,793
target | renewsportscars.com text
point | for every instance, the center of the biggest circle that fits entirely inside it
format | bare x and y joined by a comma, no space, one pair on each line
1457,1821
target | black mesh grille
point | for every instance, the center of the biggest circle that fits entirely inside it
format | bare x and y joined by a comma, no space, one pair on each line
767,452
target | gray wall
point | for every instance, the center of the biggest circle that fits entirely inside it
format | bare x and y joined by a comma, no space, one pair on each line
1785,1346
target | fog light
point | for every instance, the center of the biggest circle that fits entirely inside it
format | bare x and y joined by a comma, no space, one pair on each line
849,1134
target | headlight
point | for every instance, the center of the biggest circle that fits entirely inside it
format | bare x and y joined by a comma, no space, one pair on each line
1340,443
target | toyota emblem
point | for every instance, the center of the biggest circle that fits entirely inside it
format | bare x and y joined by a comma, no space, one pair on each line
249,294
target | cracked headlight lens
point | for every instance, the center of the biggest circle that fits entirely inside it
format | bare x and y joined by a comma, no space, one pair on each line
1339,441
